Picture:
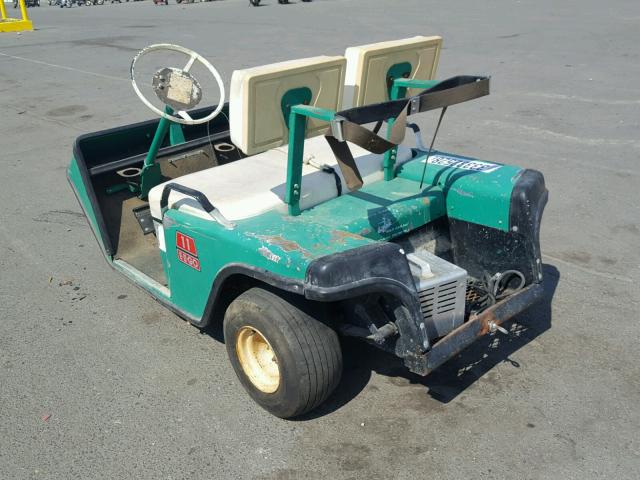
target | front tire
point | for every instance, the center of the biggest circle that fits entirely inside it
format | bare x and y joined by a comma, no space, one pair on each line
286,360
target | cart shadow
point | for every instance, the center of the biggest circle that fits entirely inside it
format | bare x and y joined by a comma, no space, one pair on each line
454,377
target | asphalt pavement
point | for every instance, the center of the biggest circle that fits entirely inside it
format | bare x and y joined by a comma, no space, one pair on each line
98,381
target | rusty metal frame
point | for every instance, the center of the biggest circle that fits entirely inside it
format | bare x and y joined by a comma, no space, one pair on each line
479,325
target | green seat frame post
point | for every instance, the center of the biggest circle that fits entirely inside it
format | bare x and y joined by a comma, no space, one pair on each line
398,91
297,128
297,122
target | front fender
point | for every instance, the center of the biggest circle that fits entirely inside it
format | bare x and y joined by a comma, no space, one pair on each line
377,268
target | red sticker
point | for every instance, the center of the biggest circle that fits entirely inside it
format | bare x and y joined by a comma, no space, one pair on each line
186,243
189,260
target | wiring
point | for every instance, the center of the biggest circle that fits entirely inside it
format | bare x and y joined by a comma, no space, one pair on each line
493,288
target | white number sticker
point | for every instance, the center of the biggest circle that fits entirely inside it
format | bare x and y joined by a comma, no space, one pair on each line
463,163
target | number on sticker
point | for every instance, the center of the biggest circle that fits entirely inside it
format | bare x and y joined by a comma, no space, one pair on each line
186,243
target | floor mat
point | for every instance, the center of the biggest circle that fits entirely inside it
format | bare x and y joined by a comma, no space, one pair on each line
138,250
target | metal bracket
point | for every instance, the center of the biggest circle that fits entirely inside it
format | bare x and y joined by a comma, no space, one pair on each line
414,105
493,327
143,215
336,127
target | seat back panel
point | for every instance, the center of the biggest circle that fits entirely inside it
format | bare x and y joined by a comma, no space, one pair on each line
368,67
257,121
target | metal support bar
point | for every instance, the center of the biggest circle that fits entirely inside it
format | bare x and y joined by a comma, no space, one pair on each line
389,161
414,83
158,138
23,11
297,126
314,112
398,91
150,176
176,134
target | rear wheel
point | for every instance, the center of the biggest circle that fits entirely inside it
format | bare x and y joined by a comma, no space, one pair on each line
286,360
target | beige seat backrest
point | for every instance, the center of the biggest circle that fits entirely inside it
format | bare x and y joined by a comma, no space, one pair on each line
256,119
369,65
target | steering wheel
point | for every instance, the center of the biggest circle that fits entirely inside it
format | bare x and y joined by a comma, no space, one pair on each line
177,88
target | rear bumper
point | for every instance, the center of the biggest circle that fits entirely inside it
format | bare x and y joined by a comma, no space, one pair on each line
383,268
477,326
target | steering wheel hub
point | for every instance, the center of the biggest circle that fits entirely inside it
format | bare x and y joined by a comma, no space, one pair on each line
177,88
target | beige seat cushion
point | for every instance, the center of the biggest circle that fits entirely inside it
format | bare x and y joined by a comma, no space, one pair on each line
257,184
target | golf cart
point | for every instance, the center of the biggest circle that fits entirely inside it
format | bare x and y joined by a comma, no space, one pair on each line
281,215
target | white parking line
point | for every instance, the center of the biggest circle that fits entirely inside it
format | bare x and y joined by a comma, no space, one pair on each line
550,134
64,67
597,273
575,98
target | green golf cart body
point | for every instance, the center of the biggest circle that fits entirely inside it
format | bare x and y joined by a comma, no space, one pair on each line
427,252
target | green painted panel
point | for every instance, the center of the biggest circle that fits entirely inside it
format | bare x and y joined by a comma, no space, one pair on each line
382,210
268,241
284,244
475,190
190,287
75,178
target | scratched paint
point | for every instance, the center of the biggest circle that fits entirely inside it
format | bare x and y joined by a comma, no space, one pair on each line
268,254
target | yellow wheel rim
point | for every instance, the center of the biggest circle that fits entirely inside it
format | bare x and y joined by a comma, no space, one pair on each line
258,360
